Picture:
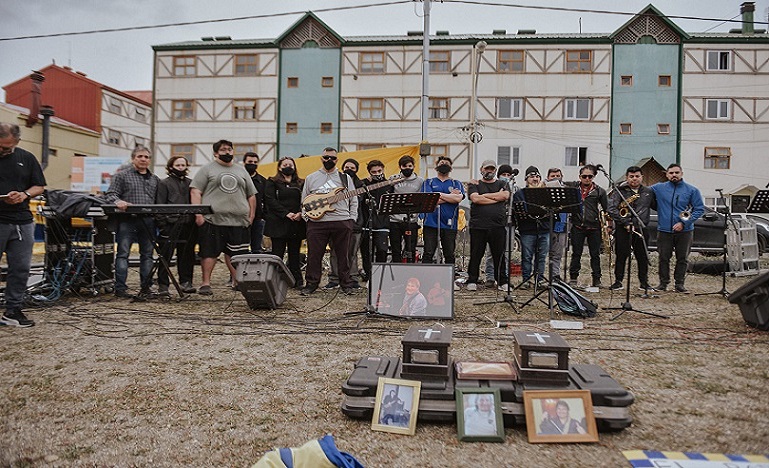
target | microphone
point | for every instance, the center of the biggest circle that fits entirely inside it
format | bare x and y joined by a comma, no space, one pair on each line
515,172
599,167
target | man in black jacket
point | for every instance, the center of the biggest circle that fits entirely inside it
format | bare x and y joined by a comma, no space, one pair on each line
627,228
251,163
586,225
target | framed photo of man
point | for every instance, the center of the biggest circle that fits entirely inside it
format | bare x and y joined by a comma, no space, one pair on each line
479,415
397,404
559,416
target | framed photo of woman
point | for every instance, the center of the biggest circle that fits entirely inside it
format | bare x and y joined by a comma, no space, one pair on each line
559,416
397,404
479,415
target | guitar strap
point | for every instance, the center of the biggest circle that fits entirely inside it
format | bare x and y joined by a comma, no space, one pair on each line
343,178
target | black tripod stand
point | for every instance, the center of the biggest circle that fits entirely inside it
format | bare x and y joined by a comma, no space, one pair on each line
724,264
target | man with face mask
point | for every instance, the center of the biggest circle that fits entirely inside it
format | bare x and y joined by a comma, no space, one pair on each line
487,222
442,223
333,227
404,229
349,167
21,178
229,190
375,226
251,163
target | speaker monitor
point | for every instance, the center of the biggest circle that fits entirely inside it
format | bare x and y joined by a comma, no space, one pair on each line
263,279
753,299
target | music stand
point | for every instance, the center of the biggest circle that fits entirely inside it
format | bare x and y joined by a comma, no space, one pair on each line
760,202
548,201
399,203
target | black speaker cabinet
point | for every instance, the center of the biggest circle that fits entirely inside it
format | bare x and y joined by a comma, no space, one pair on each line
263,279
753,299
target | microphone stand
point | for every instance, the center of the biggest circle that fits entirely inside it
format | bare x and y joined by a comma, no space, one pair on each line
727,218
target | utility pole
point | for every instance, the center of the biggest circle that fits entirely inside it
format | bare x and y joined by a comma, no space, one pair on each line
423,148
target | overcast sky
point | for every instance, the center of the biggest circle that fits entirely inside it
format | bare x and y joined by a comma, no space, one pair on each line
123,60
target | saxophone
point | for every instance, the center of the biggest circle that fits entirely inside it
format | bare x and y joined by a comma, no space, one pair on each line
606,231
624,211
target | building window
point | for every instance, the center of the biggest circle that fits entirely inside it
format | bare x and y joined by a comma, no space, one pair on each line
368,146
579,61
326,127
577,109
719,60
664,80
371,109
240,149
625,129
510,108
184,66
437,151
510,61
327,82
184,150
293,82
439,108
626,80
244,109
663,129
717,158
717,109
292,127
138,141
113,137
246,65
508,155
140,115
183,110
114,105
440,61
576,156
53,152
372,62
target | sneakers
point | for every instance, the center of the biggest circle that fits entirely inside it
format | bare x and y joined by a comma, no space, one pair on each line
597,283
188,288
123,294
16,318
205,290
456,287
471,287
331,285
502,287
680,288
662,287
573,282
309,289
617,286
489,284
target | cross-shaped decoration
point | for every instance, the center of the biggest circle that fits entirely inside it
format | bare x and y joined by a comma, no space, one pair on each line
540,338
429,332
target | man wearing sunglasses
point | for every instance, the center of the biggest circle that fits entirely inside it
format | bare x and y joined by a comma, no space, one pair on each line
586,225
333,227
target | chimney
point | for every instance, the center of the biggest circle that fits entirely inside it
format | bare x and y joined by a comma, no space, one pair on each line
747,9
36,79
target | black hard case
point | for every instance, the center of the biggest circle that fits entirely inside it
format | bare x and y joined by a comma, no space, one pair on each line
753,299
263,279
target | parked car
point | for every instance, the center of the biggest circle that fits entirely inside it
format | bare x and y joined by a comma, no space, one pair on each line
709,232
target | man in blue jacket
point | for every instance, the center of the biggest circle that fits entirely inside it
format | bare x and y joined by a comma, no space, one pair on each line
675,197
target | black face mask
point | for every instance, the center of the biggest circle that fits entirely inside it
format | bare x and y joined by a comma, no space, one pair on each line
225,158
251,168
328,165
178,173
443,168
353,175
287,171
378,177
407,172
488,175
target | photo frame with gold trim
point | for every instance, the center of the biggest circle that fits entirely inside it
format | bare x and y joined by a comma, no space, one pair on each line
397,405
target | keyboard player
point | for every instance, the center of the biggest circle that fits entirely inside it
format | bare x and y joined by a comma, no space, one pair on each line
134,185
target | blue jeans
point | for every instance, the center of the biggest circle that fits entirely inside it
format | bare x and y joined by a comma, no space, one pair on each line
128,232
16,241
534,246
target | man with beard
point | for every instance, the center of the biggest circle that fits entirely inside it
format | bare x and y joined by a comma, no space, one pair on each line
445,218
335,226
404,229
375,226
586,225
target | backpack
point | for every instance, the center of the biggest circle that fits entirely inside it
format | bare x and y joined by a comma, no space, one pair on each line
571,302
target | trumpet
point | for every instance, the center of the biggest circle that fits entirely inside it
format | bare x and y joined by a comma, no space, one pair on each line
686,215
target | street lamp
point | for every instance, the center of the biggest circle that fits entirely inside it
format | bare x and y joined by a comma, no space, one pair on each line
475,135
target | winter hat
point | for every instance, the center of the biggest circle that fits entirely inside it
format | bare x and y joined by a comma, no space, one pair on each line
532,170
357,166
504,169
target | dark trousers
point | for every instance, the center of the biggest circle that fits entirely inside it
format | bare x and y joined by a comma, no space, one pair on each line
403,241
622,240
479,238
257,236
681,242
16,242
319,235
380,248
185,254
448,244
279,246
578,237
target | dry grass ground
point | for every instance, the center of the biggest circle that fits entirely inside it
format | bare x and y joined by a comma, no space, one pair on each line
208,382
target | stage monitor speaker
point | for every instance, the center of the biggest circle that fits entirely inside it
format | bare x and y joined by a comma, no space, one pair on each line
753,299
263,279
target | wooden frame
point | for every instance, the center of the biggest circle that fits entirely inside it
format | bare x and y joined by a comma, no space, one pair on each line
399,413
545,424
476,370
479,415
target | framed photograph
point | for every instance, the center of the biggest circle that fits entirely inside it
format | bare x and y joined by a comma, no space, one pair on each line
475,370
397,403
559,416
413,290
479,415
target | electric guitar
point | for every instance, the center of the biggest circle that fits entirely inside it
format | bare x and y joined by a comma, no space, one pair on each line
316,205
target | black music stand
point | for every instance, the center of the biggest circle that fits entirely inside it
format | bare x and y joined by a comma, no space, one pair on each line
548,201
760,202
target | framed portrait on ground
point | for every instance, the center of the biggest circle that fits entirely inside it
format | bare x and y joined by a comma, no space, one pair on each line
415,290
559,416
396,407
479,415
